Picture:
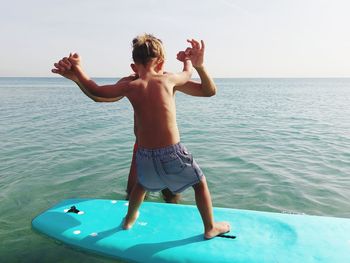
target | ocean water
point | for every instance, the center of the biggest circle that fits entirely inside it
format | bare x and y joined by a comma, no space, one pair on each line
279,145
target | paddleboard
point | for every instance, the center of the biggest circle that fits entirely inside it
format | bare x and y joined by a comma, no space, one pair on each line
174,233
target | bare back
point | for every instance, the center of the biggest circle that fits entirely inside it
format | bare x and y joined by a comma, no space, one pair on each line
155,113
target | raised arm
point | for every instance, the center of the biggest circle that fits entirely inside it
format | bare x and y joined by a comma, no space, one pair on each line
181,78
207,87
71,68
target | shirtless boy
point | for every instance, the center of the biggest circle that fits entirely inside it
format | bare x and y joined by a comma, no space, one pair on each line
205,88
162,161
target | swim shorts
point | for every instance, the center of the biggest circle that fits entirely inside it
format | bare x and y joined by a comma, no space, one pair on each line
171,167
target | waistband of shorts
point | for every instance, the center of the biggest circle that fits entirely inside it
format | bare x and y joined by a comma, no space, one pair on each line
160,151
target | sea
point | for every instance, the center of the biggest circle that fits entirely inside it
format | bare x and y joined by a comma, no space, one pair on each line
267,144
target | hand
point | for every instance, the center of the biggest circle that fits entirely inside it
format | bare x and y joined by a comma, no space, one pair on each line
196,53
65,67
74,59
182,55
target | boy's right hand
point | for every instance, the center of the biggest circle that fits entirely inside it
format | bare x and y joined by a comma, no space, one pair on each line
182,56
196,52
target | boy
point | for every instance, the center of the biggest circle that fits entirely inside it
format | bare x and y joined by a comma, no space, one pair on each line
162,161
206,88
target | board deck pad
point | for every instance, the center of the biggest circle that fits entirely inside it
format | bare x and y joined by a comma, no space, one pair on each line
174,233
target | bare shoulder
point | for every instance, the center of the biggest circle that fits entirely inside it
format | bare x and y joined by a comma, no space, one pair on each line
155,80
134,84
128,79
167,77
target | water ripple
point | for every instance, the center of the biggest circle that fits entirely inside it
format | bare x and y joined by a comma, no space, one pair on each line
278,145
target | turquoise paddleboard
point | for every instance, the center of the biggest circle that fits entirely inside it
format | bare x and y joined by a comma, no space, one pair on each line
174,233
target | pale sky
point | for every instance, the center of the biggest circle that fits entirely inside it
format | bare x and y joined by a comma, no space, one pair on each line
244,38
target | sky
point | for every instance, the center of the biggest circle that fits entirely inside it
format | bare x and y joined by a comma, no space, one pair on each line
244,38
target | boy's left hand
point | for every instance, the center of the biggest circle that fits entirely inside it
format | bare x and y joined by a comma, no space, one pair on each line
64,68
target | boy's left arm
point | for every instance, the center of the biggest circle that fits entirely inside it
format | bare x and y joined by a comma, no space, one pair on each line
70,68
87,84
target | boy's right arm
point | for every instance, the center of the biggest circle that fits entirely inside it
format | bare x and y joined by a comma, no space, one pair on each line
181,78
206,87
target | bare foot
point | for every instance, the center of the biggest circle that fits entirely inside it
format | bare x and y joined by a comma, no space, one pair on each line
219,228
130,220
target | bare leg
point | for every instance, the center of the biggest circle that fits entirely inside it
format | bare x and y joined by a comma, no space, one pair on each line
132,179
169,197
204,204
137,195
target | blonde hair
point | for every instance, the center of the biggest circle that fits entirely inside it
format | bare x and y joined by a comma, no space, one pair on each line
147,47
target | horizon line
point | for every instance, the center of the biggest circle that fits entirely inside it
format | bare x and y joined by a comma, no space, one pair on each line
236,77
